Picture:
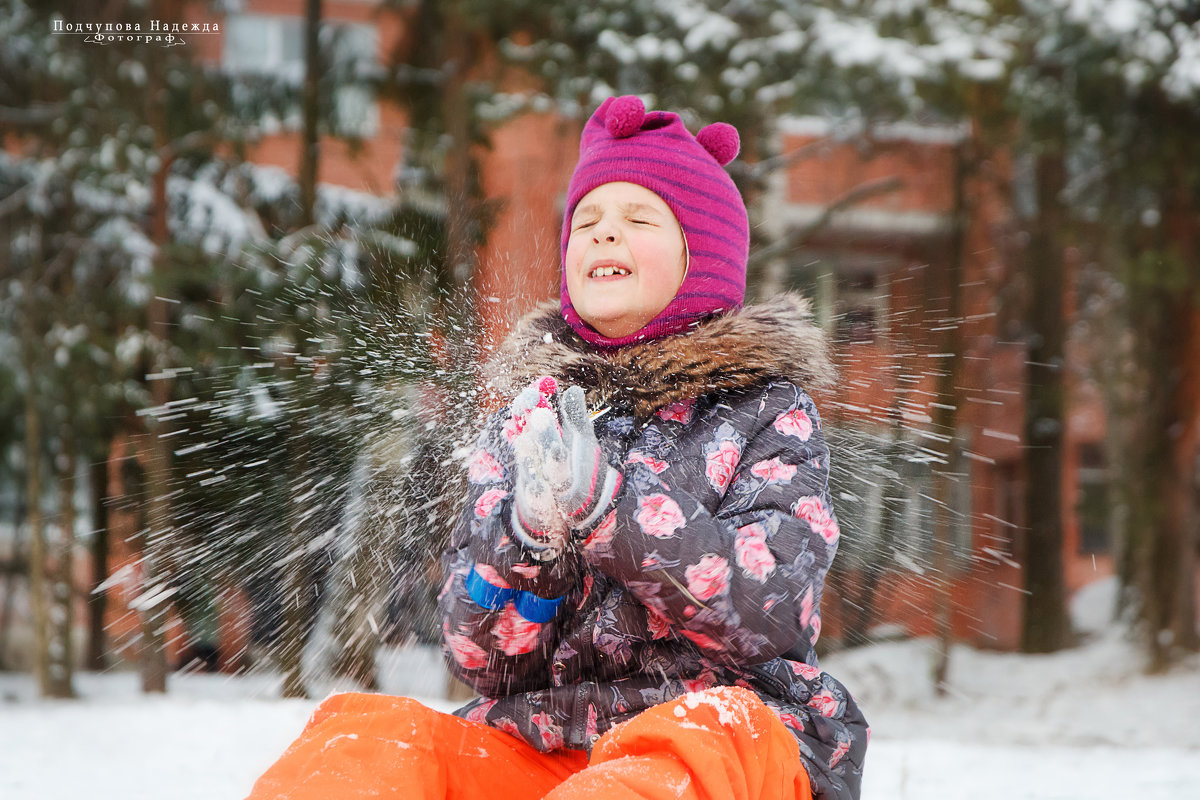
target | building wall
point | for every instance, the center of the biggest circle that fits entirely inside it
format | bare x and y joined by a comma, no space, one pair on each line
904,232
526,174
367,165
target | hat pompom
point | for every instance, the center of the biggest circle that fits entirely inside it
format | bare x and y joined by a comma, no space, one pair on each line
625,116
721,140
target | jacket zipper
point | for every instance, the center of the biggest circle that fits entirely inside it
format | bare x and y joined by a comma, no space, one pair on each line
769,679
579,717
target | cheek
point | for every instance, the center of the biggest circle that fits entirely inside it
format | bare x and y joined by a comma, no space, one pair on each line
571,263
666,262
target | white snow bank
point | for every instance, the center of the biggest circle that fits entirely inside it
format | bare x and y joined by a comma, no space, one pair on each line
1075,724
207,739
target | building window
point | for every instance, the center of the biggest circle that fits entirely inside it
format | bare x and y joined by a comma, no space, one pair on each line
860,309
274,45
265,44
1006,518
1091,507
919,509
354,53
849,291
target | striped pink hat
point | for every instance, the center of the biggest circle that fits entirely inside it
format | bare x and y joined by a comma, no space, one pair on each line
621,142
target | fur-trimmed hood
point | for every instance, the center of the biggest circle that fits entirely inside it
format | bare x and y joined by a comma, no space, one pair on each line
775,339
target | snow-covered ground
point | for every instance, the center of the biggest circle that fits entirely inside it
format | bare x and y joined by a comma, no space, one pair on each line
1083,723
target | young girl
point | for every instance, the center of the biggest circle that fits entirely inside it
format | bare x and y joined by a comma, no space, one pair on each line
633,585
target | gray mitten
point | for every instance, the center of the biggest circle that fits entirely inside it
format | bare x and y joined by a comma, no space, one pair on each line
536,519
583,483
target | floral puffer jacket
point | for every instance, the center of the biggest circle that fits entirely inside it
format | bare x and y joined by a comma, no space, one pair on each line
708,571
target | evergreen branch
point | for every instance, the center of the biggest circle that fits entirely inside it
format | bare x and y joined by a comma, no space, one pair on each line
12,203
36,114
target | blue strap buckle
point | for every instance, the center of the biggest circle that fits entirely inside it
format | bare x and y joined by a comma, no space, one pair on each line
528,605
487,595
537,609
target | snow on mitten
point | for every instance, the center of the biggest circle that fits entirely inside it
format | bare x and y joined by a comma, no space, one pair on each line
582,480
536,520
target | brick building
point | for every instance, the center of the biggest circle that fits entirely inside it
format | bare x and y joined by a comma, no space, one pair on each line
877,272
873,271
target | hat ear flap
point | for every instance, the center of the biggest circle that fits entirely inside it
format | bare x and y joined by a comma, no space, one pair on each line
721,140
625,116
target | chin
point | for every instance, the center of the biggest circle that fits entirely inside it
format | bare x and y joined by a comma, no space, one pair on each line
615,328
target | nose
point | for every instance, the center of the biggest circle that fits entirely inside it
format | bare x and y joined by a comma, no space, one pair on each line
605,231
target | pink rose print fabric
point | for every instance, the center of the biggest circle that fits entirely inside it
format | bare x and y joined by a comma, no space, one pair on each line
551,732
843,747
466,653
807,609
658,625
806,671
795,423
655,465
507,725
722,456
659,516
601,539
708,578
484,468
680,411
479,713
487,502
773,471
704,641
706,571
492,576
817,514
721,463
753,554
825,704
515,634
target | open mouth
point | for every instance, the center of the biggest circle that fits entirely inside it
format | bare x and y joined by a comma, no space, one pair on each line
609,269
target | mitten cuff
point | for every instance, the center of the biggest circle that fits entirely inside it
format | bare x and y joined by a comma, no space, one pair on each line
599,500
542,545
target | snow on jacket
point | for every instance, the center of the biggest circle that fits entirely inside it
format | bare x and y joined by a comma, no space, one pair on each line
708,570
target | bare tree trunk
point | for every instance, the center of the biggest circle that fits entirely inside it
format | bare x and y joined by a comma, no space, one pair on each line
1045,627
1185,510
1156,540
297,576
297,580
61,649
156,567
456,113
1162,523
33,474
97,598
37,534
1183,428
945,423
310,146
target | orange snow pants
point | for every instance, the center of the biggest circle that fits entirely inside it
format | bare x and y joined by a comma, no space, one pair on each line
720,744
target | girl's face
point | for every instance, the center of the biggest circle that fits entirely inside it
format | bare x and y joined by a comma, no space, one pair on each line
626,258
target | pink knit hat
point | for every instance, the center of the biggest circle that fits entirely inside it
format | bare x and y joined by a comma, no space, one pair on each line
621,142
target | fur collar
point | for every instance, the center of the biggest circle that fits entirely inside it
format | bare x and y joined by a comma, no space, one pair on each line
742,349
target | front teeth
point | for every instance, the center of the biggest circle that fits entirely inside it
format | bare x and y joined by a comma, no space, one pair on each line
604,272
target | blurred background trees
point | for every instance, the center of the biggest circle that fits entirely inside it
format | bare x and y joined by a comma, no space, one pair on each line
216,374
